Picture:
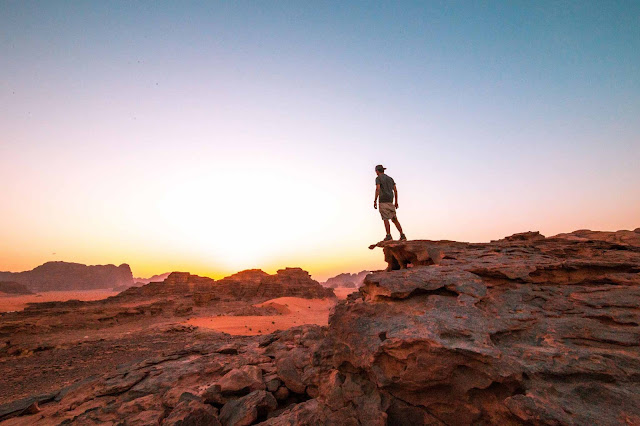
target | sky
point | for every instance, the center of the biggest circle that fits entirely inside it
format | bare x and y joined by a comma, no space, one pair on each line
213,137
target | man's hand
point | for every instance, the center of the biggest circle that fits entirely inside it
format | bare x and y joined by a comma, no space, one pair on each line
375,204
396,204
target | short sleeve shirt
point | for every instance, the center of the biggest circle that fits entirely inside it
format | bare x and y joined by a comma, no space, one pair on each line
386,188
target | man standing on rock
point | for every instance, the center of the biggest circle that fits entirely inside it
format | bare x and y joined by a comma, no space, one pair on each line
385,189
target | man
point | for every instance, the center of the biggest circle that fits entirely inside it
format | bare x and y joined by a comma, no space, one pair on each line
385,189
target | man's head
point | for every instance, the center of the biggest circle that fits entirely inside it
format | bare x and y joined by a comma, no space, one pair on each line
379,169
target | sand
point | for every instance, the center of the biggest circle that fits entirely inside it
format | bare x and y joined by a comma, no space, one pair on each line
293,311
18,303
342,293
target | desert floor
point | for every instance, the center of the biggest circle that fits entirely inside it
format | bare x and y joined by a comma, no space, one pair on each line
342,293
292,311
10,303
50,347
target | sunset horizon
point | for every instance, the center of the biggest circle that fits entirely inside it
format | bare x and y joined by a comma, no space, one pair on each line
319,273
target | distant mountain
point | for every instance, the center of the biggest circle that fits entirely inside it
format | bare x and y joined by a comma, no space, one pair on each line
346,280
152,279
53,276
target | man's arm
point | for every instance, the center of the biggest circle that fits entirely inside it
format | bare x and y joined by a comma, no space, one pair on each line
375,200
395,191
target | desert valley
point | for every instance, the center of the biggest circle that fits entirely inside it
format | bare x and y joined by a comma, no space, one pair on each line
523,330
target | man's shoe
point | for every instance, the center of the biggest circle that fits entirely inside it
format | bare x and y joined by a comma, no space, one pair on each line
388,238
403,237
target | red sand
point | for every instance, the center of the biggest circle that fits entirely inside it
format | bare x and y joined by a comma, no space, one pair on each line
294,311
18,303
342,293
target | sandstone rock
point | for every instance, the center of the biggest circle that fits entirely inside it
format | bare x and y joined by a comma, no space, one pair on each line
521,330
402,254
247,377
53,276
281,393
248,276
250,286
621,237
524,236
246,410
191,411
289,371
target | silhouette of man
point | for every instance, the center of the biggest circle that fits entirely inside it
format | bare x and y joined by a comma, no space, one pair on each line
385,190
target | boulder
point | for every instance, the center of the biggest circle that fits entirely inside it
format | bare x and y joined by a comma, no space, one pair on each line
247,377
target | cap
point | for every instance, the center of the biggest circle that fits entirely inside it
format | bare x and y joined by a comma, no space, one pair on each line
379,168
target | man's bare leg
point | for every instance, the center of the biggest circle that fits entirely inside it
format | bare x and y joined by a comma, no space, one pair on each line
396,223
387,226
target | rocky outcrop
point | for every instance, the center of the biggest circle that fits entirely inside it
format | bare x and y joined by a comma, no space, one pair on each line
176,388
13,288
53,276
252,286
621,237
346,280
248,276
292,282
519,331
176,284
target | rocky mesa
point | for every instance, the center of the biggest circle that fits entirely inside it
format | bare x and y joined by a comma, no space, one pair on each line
252,285
54,276
526,330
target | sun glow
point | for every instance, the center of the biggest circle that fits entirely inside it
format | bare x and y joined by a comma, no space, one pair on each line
240,218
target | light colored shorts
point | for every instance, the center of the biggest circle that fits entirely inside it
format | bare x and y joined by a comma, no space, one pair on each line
387,211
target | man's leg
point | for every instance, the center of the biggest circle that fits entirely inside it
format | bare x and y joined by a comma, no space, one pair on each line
396,223
387,226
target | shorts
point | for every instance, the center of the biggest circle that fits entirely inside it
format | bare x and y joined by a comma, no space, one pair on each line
387,211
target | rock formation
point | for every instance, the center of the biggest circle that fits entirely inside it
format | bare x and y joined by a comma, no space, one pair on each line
623,237
346,280
519,331
257,285
12,287
250,275
53,276
252,286
522,331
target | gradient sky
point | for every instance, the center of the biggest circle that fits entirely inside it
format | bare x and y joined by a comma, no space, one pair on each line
212,137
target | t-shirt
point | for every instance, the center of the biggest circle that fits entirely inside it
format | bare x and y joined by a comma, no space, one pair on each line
386,188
